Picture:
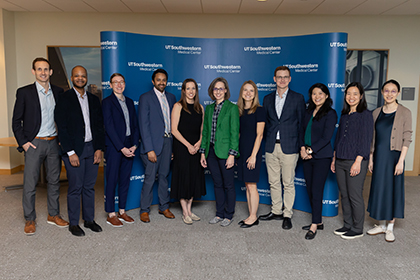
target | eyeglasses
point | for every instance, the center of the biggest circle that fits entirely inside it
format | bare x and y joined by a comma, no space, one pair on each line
393,92
282,78
118,83
218,89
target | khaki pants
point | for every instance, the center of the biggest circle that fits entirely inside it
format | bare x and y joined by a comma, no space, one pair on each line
281,165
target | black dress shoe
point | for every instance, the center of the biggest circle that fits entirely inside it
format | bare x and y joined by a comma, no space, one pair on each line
287,223
321,227
270,216
251,225
93,226
310,235
76,230
241,223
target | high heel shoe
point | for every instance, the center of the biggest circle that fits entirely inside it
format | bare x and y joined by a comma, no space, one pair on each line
321,227
251,225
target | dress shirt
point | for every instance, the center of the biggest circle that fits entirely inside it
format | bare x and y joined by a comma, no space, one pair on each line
279,106
162,98
126,115
84,105
47,103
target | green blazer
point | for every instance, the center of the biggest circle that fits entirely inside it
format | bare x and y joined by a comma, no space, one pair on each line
227,130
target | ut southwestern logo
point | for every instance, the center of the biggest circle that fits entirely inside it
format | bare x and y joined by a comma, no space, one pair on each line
266,87
105,85
145,66
309,67
109,45
264,50
338,45
184,50
232,69
336,85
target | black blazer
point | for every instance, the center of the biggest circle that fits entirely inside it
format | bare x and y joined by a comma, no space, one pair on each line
114,121
26,120
71,126
289,123
321,133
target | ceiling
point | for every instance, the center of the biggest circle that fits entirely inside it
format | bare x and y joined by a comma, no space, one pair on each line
284,7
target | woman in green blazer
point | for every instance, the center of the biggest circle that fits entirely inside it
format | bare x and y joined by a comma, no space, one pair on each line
219,147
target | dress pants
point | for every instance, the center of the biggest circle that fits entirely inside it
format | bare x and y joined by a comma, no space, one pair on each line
224,186
316,173
82,181
118,171
281,165
351,189
46,151
161,167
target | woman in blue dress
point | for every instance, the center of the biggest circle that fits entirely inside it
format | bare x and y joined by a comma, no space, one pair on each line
251,129
392,137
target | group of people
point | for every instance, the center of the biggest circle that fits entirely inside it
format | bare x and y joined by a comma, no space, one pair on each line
50,124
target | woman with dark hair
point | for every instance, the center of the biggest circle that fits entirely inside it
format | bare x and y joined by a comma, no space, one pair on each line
350,161
251,129
121,140
187,173
392,137
219,147
316,150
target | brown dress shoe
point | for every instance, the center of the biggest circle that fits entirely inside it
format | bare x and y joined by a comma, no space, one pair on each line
144,217
30,227
168,214
57,220
125,218
114,221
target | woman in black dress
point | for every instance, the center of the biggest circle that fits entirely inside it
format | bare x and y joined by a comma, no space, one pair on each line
187,172
316,150
251,129
392,137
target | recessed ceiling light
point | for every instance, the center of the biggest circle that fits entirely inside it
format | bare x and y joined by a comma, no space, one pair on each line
261,0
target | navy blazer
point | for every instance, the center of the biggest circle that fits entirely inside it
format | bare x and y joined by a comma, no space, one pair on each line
71,125
26,120
114,122
289,124
151,121
321,133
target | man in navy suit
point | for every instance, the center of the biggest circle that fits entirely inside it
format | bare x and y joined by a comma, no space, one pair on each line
36,135
121,140
285,110
80,126
155,108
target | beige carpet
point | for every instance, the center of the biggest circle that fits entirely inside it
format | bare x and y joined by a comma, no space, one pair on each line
169,249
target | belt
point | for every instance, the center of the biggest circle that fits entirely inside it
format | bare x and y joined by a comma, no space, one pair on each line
48,138
167,135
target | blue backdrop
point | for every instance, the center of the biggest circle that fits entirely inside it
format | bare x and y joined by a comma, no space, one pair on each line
311,58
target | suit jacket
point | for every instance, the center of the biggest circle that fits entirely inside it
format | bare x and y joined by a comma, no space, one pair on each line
227,130
151,121
71,125
289,124
321,133
26,120
114,122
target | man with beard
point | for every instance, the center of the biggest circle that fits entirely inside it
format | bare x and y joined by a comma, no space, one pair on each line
155,108
80,125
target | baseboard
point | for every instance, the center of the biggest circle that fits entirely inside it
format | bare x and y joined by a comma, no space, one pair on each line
12,171
411,173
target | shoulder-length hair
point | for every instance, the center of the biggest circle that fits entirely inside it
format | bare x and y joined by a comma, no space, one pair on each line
211,87
362,104
183,100
327,104
255,102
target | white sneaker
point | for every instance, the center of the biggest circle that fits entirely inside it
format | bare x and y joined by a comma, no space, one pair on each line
389,236
376,230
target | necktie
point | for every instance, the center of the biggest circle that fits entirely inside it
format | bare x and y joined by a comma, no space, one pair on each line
165,107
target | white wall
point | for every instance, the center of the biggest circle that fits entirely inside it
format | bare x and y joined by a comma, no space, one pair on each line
399,34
